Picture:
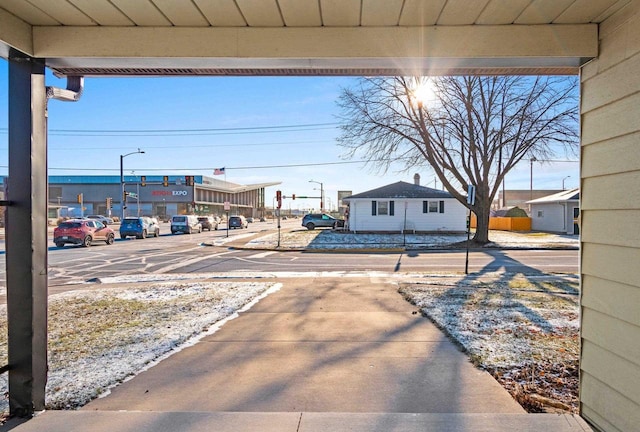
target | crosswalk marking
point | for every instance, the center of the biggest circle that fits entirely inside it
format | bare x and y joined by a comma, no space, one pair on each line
262,255
188,262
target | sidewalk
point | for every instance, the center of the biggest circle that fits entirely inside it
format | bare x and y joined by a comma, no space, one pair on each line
331,240
324,354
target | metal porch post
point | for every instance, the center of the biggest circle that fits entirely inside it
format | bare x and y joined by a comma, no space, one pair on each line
26,236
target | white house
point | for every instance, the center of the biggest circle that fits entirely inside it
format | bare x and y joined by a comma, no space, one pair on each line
404,206
557,213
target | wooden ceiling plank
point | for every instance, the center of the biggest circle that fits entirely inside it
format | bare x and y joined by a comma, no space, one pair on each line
340,13
543,11
221,13
142,13
421,12
261,13
102,12
461,12
63,12
502,12
182,13
584,11
300,13
28,13
381,12
611,10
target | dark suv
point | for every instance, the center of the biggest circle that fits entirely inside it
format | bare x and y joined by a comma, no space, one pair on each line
313,220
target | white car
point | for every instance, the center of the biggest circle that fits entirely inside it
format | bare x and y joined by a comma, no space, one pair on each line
186,224
104,219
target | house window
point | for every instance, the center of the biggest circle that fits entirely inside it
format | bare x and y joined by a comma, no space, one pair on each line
382,208
432,206
540,213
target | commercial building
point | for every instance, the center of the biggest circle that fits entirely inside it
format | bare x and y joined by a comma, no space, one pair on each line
161,196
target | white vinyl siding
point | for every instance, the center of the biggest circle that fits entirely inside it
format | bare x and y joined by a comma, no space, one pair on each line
452,218
610,239
549,217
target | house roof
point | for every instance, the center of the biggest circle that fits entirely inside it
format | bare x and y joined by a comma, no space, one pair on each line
567,195
401,190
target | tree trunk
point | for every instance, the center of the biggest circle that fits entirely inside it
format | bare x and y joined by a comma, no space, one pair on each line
482,223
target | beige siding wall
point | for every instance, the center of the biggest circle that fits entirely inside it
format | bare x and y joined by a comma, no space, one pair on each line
610,192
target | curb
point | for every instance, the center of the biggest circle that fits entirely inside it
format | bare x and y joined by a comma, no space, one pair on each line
394,249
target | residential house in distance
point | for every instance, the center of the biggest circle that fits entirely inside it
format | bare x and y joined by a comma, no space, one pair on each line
405,207
519,197
556,213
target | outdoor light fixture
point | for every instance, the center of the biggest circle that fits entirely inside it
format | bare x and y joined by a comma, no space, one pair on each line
122,197
321,194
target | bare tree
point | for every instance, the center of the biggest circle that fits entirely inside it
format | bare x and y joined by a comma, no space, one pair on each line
473,130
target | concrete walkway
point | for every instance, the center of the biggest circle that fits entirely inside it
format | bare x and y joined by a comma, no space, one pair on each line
318,355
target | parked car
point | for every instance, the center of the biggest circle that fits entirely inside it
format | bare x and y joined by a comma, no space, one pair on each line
313,220
139,227
208,223
104,219
249,220
185,224
82,232
237,222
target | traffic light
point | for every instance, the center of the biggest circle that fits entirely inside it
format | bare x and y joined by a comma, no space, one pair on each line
188,180
124,196
165,181
293,196
79,197
143,180
108,203
279,198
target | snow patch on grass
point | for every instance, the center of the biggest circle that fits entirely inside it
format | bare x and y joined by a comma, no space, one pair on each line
102,337
524,331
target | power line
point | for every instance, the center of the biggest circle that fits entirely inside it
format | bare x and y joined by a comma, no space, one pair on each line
248,167
183,146
228,168
189,132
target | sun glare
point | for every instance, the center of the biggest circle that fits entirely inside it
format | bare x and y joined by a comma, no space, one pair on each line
424,92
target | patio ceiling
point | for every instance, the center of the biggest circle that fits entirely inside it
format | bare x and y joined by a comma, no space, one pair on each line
304,37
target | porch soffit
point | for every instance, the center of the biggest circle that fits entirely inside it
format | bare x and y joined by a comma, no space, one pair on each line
305,37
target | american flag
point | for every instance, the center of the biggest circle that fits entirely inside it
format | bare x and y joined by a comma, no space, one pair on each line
218,171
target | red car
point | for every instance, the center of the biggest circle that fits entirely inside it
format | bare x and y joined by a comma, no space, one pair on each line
82,232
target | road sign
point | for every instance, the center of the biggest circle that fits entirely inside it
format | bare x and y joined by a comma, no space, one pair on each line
132,195
471,194
227,205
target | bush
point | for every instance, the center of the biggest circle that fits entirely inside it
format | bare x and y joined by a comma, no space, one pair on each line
516,212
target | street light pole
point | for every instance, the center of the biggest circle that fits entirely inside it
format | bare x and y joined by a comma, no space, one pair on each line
122,191
533,159
321,194
564,180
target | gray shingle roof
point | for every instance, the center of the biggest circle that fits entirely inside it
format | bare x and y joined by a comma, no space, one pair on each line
401,190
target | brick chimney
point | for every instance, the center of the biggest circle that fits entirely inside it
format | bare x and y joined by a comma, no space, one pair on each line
416,179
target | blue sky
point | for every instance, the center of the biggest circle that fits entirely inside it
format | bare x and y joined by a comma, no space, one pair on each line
248,153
